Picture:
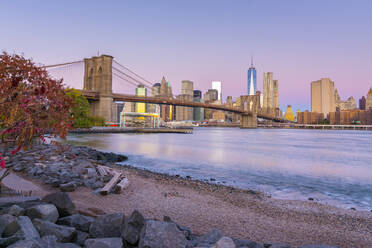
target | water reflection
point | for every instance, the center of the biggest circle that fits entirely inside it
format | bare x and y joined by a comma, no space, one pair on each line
336,164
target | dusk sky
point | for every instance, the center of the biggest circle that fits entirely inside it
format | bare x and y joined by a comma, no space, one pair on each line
202,41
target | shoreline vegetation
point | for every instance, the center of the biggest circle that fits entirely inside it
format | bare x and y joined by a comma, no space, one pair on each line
243,215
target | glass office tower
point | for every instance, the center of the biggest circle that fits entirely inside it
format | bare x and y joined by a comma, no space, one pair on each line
252,80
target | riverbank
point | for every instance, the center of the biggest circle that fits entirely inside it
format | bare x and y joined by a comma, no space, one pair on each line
203,206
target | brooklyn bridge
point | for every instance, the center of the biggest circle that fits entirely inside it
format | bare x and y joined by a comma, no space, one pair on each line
98,89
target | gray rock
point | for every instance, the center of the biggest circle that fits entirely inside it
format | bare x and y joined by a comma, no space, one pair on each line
5,242
26,244
22,201
50,241
225,242
209,239
106,226
104,243
63,203
80,222
5,220
23,227
47,212
318,246
184,229
276,245
97,184
81,237
67,187
247,243
160,234
16,210
63,233
132,228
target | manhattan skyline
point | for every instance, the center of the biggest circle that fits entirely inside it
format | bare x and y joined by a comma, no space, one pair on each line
205,41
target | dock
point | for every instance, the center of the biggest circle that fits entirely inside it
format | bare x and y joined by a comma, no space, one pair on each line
131,130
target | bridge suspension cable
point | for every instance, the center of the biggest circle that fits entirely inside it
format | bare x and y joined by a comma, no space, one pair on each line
126,75
142,78
57,65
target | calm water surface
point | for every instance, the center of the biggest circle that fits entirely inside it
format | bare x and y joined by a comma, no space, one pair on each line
333,167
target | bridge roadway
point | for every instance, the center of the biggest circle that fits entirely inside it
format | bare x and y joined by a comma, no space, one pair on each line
91,95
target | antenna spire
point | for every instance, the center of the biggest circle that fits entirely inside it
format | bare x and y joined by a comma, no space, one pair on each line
252,61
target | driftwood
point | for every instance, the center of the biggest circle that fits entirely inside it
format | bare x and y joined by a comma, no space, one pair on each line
101,170
110,185
124,183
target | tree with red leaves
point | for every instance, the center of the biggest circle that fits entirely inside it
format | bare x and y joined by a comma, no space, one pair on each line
31,105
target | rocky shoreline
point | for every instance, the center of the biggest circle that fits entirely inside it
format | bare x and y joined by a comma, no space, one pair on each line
75,167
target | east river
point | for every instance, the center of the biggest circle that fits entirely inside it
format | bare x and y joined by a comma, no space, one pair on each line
331,166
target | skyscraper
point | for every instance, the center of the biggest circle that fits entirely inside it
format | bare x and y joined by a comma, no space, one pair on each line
362,103
187,94
323,96
198,112
252,80
369,99
140,106
268,95
276,93
217,85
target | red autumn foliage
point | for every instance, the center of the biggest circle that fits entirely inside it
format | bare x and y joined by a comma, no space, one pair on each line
31,104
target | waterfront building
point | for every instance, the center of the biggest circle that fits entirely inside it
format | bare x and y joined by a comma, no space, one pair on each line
217,85
289,114
362,103
323,96
369,99
307,117
252,80
198,112
140,106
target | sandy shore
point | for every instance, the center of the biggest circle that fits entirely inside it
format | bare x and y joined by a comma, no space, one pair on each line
237,213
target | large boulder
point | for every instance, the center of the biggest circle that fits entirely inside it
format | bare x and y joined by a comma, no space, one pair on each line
47,212
225,242
132,228
22,201
6,242
209,239
5,220
104,243
50,241
81,237
62,201
63,233
23,227
160,234
16,210
26,244
107,226
80,222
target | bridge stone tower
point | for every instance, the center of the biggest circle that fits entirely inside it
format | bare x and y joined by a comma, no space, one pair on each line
250,105
98,78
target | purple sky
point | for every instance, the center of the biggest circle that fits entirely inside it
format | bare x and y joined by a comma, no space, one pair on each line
300,41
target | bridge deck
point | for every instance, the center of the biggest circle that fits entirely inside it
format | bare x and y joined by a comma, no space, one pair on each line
176,102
